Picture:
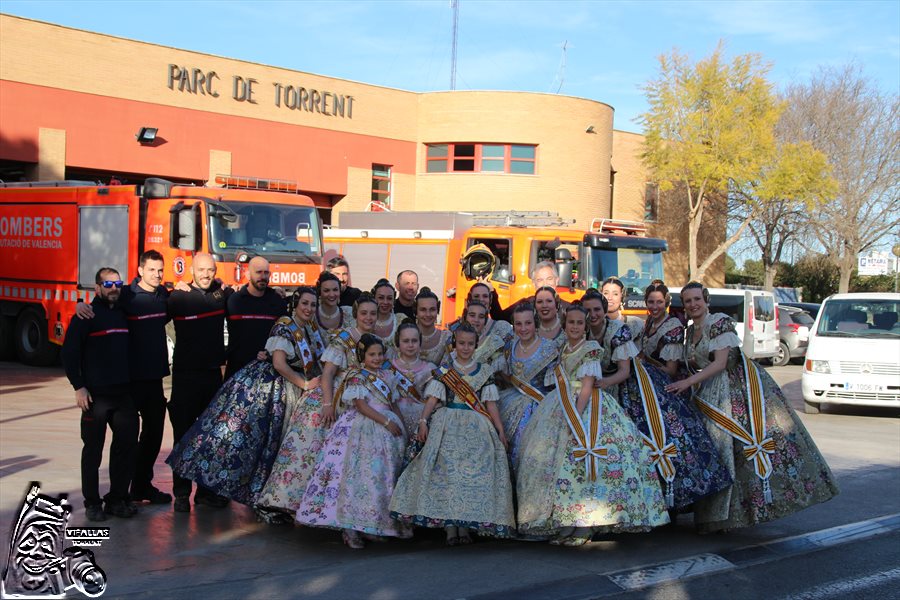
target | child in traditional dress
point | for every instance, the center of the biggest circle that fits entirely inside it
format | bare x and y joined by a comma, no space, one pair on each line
490,345
361,458
582,464
434,340
412,374
460,480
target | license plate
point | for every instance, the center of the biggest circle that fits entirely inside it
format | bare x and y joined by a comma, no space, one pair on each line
864,387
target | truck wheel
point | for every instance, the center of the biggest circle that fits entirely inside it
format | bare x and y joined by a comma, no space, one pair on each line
783,356
811,408
32,343
7,333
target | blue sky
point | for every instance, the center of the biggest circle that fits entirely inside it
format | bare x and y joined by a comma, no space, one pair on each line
612,47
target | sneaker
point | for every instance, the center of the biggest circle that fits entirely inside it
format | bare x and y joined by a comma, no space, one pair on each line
95,513
211,500
151,495
121,509
182,504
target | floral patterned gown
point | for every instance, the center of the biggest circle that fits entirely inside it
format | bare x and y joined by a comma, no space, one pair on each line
304,433
410,406
697,472
517,406
491,343
231,448
461,476
800,476
553,489
617,344
359,463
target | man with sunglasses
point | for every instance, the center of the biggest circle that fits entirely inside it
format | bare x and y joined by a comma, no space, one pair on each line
95,356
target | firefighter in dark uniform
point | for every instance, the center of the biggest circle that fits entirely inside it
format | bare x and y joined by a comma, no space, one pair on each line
95,356
252,312
199,316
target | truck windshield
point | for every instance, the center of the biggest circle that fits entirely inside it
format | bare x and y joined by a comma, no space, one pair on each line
636,267
260,228
867,318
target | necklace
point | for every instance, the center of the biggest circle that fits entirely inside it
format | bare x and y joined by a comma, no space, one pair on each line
430,336
408,366
526,348
464,367
329,316
385,323
552,327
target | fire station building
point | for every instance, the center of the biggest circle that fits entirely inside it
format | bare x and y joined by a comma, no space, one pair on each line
83,105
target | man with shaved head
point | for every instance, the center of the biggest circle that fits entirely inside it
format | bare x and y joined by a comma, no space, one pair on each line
252,311
199,316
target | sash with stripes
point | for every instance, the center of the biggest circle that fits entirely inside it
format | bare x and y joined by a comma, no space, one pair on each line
757,447
588,439
345,340
663,453
315,337
522,386
454,380
301,346
376,383
405,385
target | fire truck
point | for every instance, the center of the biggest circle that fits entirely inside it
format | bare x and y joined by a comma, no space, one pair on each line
434,244
54,236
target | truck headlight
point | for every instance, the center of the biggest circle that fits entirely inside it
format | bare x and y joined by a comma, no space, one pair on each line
818,366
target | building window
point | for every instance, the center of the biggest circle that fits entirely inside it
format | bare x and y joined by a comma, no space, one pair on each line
651,202
381,185
520,159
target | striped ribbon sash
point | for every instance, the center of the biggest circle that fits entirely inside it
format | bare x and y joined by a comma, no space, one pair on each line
663,453
378,384
589,449
526,388
454,380
757,447
316,338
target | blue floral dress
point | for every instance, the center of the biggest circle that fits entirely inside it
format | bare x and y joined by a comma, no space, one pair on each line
799,476
230,449
461,476
691,468
553,488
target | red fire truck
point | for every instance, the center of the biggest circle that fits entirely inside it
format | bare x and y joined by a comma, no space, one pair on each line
54,236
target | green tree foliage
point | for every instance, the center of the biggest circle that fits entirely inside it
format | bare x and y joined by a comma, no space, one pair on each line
710,133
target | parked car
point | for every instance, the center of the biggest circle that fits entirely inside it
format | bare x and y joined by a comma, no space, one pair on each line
753,312
793,333
811,307
854,352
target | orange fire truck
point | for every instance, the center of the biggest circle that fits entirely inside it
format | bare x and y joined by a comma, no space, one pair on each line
54,236
381,244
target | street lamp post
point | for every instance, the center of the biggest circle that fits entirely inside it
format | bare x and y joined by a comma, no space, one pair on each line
896,251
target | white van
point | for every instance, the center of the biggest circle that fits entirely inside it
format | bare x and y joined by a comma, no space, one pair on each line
753,312
854,352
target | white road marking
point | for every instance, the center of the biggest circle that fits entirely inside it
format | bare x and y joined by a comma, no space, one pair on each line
847,586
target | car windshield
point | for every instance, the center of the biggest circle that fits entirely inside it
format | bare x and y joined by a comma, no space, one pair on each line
635,267
853,317
260,228
802,318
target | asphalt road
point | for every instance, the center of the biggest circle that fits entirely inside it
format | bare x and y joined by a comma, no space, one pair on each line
845,548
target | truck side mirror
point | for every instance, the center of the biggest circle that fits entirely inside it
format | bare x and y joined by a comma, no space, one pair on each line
564,263
184,227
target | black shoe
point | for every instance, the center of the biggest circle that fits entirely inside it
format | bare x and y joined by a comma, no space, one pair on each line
211,500
182,504
95,513
121,509
151,495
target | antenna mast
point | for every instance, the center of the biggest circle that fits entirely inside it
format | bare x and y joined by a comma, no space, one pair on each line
454,6
561,73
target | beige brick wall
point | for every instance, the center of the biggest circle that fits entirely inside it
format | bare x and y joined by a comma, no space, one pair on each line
631,177
51,154
219,164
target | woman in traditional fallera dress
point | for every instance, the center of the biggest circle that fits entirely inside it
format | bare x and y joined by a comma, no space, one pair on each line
434,341
615,339
387,322
483,293
546,302
361,458
230,449
307,424
614,291
490,345
582,465
412,374
685,456
330,317
776,466
524,365
460,480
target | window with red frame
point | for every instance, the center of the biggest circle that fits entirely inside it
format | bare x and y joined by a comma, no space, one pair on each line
519,159
381,185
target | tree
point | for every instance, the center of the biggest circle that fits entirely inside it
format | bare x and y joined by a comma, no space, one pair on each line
710,133
858,128
816,274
